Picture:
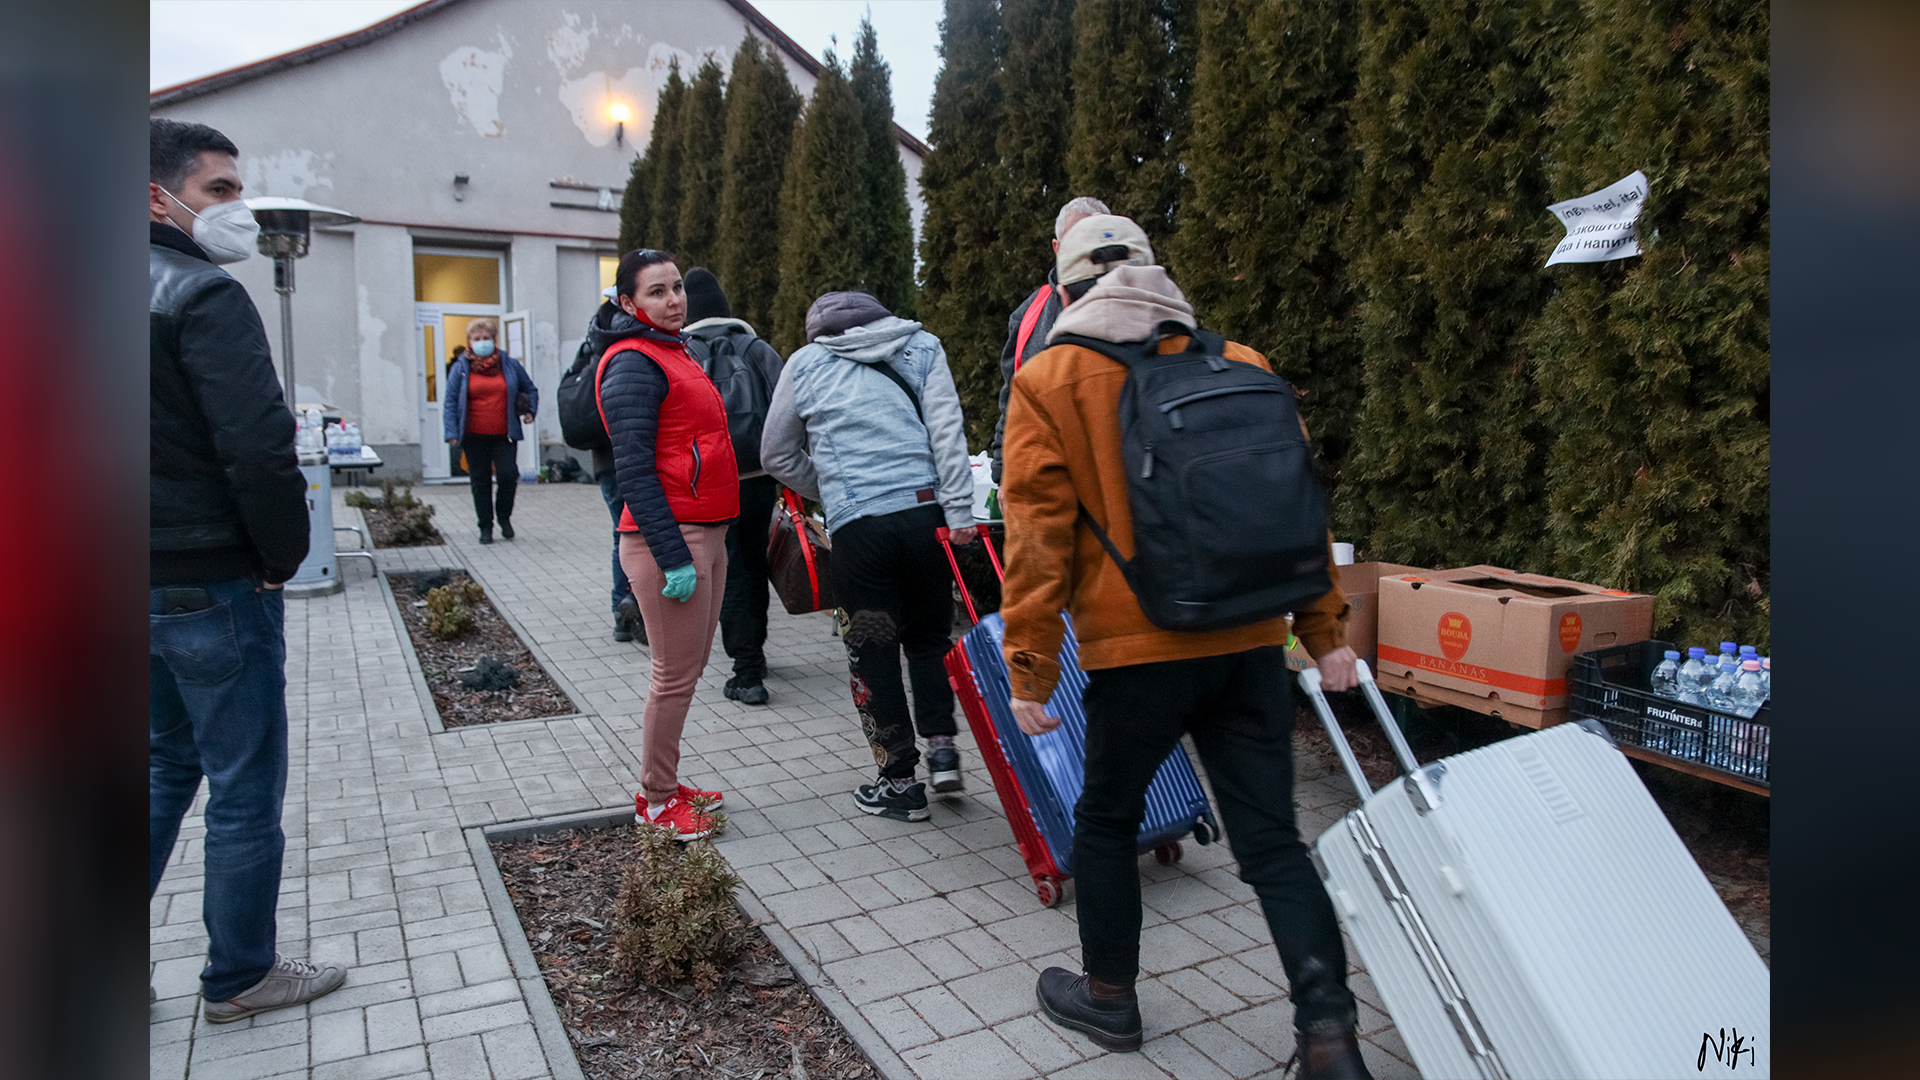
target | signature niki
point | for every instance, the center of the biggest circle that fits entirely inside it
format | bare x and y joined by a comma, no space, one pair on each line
1726,1051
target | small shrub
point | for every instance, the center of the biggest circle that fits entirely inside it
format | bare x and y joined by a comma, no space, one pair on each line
449,611
676,918
490,674
406,520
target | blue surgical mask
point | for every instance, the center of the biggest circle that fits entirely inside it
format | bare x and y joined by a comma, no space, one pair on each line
483,348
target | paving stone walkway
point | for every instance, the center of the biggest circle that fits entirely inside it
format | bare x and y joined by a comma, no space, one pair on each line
930,932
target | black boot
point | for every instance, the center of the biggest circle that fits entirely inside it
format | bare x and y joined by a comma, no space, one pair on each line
506,529
1068,1000
486,534
626,619
1332,1056
1326,1046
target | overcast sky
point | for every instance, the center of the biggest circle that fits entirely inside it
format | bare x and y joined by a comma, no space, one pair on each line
192,38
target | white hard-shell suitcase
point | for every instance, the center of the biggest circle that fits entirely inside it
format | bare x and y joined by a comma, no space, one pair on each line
1526,911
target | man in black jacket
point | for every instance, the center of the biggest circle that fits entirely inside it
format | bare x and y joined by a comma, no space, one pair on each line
229,524
1026,328
749,370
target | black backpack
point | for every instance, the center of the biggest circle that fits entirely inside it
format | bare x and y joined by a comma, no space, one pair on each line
1229,518
742,387
580,424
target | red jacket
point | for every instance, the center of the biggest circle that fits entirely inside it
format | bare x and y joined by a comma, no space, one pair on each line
693,450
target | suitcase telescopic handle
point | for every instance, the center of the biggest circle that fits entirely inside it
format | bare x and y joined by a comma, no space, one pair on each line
1310,681
945,536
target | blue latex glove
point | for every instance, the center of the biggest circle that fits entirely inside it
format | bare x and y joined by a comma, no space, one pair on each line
680,582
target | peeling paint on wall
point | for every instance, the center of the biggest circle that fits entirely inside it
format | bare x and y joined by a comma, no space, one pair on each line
567,44
474,78
290,174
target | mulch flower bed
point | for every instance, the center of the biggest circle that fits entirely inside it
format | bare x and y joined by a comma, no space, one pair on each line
380,529
1728,831
444,661
760,1023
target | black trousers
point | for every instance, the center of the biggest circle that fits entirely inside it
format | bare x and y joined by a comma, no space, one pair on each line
895,592
486,456
743,608
1239,708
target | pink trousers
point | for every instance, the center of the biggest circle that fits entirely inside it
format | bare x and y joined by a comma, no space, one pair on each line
680,638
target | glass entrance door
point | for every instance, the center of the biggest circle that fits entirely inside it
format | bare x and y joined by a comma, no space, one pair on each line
452,287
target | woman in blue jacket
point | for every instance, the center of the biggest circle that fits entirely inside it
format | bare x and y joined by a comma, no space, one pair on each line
489,395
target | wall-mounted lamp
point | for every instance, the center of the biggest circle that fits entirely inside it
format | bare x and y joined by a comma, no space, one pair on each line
459,187
619,115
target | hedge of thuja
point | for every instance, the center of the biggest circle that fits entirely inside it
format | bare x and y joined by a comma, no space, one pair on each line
1653,371
761,109
1360,191
960,234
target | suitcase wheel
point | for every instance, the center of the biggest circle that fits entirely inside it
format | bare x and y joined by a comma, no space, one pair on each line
1204,832
1168,854
1049,890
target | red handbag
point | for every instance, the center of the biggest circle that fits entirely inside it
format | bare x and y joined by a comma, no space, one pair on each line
799,558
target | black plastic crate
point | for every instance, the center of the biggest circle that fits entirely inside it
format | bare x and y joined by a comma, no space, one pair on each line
1611,686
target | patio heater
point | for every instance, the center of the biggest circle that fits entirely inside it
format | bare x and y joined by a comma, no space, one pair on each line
286,228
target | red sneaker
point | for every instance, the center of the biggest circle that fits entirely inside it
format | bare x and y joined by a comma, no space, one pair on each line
675,814
689,794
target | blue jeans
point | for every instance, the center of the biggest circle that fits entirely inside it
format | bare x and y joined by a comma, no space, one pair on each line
610,491
219,710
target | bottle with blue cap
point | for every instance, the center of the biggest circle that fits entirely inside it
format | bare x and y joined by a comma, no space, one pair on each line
1665,680
1693,675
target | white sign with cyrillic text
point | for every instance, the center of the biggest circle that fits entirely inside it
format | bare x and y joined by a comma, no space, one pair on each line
1601,226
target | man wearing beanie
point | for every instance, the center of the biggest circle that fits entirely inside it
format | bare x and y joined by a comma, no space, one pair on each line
745,368
866,420
1146,686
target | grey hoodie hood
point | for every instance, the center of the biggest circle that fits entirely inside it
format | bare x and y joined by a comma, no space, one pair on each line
873,343
838,312
1128,304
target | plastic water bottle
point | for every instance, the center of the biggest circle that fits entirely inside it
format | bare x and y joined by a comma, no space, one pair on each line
1693,677
1749,690
1730,649
1666,678
1766,675
1720,691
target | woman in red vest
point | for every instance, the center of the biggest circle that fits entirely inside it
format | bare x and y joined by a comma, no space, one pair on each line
673,461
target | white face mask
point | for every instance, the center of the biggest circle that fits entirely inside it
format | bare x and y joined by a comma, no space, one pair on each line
226,232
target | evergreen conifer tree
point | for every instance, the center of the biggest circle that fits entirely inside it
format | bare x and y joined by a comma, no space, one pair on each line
886,232
1653,370
1446,248
960,245
1037,91
703,121
666,150
820,206
1132,71
1270,175
636,205
762,107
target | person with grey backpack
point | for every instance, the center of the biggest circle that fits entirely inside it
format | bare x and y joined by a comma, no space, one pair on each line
745,369
866,419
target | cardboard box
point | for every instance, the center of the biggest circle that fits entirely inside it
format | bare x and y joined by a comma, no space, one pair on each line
1495,641
1361,583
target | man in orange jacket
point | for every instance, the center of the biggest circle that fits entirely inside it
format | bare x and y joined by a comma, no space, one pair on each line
1146,686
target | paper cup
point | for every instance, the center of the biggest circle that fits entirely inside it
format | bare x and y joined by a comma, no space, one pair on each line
1342,554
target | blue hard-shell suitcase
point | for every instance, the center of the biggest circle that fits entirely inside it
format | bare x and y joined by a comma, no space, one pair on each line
1039,777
